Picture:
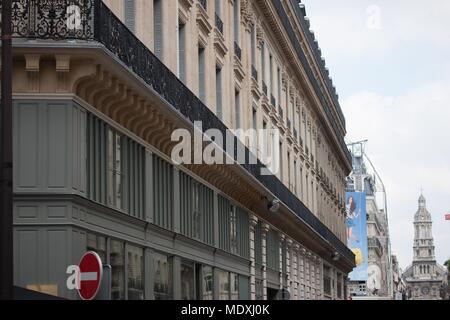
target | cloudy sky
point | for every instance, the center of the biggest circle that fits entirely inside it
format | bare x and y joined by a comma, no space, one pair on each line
390,62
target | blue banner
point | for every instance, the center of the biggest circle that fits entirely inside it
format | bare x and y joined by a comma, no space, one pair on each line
356,222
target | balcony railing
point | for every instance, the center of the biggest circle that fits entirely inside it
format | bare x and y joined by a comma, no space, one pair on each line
280,112
264,88
273,101
219,24
237,51
203,3
48,20
254,73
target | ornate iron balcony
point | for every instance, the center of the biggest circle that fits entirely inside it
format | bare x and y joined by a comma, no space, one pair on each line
204,4
237,51
254,73
280,112
39,19
264,88
219,24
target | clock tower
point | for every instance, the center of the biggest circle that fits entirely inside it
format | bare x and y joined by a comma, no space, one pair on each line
424,277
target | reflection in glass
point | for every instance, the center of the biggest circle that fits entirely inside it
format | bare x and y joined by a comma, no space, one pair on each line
224,285
135,270
207,283
162,267
97,244
187,281
117,261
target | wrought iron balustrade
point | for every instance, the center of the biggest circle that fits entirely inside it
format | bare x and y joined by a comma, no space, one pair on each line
273,101
254,73
219,23
54,20
264,88
237,51
204,4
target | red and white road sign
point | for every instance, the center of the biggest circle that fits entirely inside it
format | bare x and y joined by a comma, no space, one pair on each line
91,272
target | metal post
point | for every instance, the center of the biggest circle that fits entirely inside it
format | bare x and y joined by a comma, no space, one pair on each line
6,243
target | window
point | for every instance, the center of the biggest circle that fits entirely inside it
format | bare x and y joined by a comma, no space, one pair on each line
182,52
273,250
289,169
162,193
187,281
279,85
158,27
233,230
271,86
234,282
219,93
97,244
263,62
253,45
115,176
117,261
224,285
236,22
197,207
201,74
115,168
218,8
281,161
295,177
135,273
326,281
207,280
162,268
237,109
130,14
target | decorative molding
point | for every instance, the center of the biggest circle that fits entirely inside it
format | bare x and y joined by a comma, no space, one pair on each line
32,65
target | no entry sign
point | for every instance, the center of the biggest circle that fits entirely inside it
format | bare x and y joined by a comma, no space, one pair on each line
91,272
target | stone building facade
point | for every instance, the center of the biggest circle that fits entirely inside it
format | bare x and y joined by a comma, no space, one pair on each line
100,86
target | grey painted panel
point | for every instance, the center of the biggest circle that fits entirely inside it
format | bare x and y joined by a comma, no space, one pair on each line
27,253
57,246
56,211
26,142
27,212
56,157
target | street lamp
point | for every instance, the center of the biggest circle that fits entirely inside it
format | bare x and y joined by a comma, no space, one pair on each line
6,242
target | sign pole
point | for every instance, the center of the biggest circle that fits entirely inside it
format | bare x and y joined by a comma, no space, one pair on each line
6,196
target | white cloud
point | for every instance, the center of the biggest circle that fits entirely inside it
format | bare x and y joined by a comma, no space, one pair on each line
342,26
409,143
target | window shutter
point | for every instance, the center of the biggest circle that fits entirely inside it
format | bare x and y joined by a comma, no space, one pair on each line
158,27
219,93
201,74
130,14
182,52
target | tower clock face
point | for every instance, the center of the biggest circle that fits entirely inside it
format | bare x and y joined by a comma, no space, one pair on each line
425,290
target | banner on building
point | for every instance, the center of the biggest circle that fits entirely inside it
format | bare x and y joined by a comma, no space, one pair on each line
356,222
